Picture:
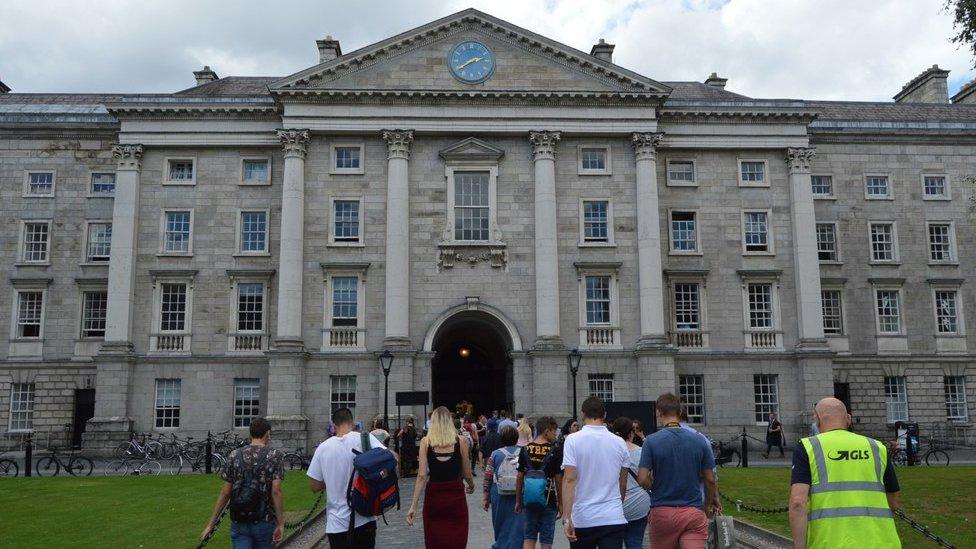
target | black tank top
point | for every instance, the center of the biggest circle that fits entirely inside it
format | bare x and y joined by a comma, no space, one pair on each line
449,469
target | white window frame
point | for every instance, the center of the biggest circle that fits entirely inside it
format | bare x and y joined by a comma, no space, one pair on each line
678,183
960,320
774,305
85,291
243,420
877,314
29,404
347,171
91,175
492,170
956,397
698,245
896,398
953,256
360,297
840,305
22,243
15,313
236,302
361,242
601,385
584,270
583,243
770,234
948,188
697,381
175,277
179,182
890,193
346,403
700,279
174,422
254,183
832,195
239,241
88,258
608,168
896,256
837,258
54,184
767,407
162,233
743,183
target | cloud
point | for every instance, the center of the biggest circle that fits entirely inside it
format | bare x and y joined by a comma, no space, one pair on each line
824,49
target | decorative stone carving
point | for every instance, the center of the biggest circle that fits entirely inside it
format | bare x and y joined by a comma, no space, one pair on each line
398,142
544,144
129,157
295,142
494,253
645,144
798,159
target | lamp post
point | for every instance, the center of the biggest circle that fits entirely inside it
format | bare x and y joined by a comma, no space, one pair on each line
386,363
574,359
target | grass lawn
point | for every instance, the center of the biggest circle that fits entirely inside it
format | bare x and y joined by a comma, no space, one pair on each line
941,498
98,511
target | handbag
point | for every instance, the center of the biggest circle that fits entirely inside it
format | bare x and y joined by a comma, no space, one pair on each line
721,532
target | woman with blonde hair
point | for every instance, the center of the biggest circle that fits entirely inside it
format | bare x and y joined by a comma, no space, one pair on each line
444,461
524,432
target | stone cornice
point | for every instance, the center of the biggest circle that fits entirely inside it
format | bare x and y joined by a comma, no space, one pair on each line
295,142
398,143
706,114
515,97
192,109
544,144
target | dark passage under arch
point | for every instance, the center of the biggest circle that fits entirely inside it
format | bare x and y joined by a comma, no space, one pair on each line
484,376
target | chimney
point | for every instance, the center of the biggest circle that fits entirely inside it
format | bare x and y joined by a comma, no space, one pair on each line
205,75
929,87
602,50
966,94
4,88
714,81
328,49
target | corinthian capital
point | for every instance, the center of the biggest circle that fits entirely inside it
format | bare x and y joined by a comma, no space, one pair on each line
128,157
295,142
544,144
798,159
398,143
645,144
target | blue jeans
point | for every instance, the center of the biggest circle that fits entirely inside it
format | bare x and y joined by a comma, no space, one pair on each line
539,524
634,535
506,524
252,535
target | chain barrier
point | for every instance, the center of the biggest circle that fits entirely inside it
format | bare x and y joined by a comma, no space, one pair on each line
203,543
739,506
924,530
299,523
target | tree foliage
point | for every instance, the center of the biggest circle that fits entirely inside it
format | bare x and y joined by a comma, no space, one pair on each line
964,23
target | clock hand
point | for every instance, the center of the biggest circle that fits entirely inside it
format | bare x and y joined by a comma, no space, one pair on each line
466,63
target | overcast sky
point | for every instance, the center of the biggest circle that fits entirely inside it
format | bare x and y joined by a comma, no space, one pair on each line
810,49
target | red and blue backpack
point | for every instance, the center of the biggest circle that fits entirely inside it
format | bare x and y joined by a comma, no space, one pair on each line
373,484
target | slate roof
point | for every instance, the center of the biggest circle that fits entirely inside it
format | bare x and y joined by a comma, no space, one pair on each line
232,86
696,91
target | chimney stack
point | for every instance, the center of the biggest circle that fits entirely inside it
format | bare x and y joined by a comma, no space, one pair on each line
929,87
602,50
966,94
205,75
328,49
714,81
4,88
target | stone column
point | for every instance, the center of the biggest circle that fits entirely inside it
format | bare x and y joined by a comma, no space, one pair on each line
397,326
649,273
806,265
290,255
546,244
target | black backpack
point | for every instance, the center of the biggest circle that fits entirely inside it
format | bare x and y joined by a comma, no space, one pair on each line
246,503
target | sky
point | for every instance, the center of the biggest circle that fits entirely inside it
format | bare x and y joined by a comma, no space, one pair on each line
808,49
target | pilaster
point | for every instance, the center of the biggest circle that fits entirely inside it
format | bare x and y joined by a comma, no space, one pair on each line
121,267
397,314
806,264
291,247
650,275
546,243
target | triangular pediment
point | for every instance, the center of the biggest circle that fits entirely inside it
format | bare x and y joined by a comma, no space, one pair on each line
472,149
416,61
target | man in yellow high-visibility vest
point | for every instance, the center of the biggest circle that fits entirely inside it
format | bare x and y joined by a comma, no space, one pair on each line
843,488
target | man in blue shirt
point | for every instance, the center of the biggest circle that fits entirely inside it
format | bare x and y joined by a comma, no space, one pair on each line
673,464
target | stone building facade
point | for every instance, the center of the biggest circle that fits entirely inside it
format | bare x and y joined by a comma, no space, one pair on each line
479,200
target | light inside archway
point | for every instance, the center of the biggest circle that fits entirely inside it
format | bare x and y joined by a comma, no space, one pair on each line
464,352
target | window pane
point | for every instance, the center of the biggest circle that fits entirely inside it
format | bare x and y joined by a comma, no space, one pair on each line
595,221
343,393
947,320
36,239
955,397
877,185
601,386
889,313
935,185
177,237
598,300
826,242
347,158
99,241
345,301
754,172
896,399
168,402
247,401
172,308
832,313
256,171
766,395
250,307
681,171
686,307
254,232
180,170
684,236
594,159
823,185
21,406
102,183
760,306
40,183
94,309
691,390
940,242
471,209
346,220
882,242
30,307
756,232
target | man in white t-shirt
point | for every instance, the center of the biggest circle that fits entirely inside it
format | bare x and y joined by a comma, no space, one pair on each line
330,470
595,464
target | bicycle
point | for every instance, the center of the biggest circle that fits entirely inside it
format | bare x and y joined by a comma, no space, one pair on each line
8,467
297,459
125,467
51,465
136,449
726,453
186,460
935,455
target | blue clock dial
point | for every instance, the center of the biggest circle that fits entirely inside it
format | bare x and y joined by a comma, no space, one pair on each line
471,62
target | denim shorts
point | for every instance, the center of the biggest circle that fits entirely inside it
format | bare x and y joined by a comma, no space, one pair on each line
256,535
539,524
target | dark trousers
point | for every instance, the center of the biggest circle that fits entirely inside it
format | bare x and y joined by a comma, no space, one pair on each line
363,537
600,537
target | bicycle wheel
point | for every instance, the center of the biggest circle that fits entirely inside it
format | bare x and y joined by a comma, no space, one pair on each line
153,449
151,467
8,468
937,457
80,466
123,450
899,458
166,451
118,467
47,467
176,465
735,459
218,464
294,462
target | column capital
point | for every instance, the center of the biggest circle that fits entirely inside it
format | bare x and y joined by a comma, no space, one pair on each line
398,143
645,144
128,156
544,144
798,159
295,142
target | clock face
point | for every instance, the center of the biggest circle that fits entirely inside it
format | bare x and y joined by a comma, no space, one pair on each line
471,62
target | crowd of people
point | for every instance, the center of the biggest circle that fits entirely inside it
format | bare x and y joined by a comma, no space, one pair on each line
609,485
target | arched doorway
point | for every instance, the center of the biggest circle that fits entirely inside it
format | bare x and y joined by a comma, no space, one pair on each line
472,361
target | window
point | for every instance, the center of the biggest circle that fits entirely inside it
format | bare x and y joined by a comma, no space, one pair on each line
596,221
343,393
935,187
167,403
346,221
172,310
177,232
36,241
30,314
822,186
691,390
941,243
255,171
876,187
755,232
21,406
99,242
180,171
760,297
884,247
896,399
752,172
889,311
681,172
247,401
766,393
594,160
471,207
102,184
833,314
94,307
250,307
601,386
955,398
39,184
684,232
345,301
348,158
946,312
687,308
254,232
827,242
597,300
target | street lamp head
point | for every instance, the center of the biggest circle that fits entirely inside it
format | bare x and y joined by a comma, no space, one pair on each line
386,361
574,359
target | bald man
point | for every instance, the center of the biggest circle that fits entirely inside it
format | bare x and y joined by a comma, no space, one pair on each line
843,487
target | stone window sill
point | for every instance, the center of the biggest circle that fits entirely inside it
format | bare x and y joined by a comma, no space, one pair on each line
173,254
31,264
340,244
597,245
943,263
689,254
255,254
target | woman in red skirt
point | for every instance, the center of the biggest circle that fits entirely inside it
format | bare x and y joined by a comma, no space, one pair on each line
444,462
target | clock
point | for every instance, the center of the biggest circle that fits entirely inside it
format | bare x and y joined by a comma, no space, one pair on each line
471,62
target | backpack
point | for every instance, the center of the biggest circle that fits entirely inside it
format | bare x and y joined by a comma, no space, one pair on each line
506,473
490,443
373,484
246,503
535,485
462,432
